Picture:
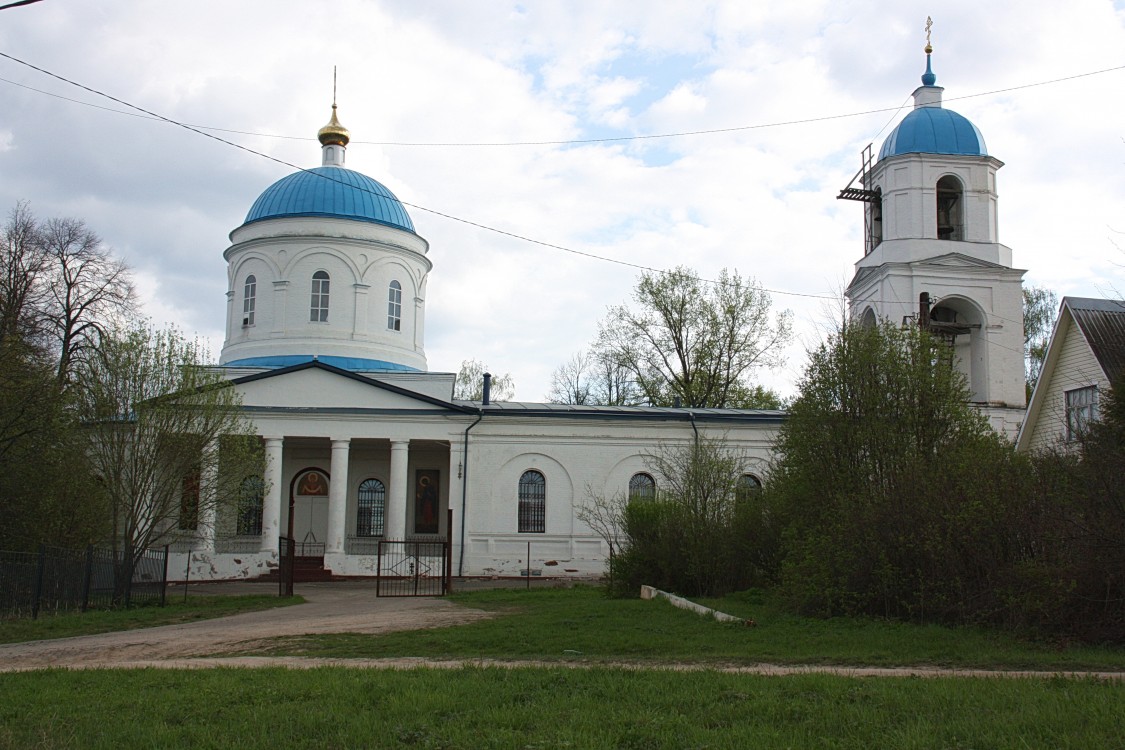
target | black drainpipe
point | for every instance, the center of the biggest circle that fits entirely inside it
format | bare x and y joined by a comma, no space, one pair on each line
465,491
691,416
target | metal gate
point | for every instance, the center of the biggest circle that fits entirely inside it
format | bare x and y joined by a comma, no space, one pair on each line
413,568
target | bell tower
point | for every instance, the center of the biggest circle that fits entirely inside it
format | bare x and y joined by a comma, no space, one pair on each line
932,254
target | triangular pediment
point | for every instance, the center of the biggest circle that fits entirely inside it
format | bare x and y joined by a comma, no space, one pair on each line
955,260
316,386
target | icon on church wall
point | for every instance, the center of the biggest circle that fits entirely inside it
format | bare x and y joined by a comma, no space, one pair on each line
313,483
426,497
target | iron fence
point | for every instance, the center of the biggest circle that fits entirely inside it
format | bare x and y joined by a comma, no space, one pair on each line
286,550
55,579
413,568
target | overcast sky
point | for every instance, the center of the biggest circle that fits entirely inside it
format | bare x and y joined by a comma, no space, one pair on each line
757,199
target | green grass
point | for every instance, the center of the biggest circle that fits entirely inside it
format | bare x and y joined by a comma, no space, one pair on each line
104,621
582,624
548,708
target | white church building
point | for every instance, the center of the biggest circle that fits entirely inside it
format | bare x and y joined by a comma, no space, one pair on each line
326,308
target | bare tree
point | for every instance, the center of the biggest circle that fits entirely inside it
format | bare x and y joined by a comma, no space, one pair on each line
167,439
605,515
90,289
23,266
594,377
570,382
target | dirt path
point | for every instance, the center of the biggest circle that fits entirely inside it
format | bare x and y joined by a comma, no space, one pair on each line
354,608
329,608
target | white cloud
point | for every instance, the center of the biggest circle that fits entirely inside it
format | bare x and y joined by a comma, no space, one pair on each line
762,200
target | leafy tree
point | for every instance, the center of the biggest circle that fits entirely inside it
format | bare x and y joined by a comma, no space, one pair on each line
469,385
684,338
47,489
1040,308
166,437
896,495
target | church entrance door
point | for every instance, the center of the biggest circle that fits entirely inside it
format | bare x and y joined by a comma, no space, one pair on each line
308,512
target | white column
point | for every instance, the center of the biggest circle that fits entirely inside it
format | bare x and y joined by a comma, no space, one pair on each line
395,515
208,479
271,506
337,498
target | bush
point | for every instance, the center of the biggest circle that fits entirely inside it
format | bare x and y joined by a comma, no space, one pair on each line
702,536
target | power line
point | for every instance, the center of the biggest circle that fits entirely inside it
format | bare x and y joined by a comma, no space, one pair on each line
435,212
561,142
18,4
451,217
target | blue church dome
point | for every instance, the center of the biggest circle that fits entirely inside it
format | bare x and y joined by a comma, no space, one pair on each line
332,192
933,130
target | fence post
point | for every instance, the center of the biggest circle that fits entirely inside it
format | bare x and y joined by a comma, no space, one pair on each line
164,579
86,575
528,561
448,567
38,582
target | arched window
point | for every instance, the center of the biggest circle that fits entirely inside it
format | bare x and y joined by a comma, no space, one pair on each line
950,224
249,292
394,306
250,495
748,486
372,502
533,502
318,310
642,487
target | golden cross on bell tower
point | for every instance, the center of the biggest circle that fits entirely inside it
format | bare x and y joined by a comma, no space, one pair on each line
929,25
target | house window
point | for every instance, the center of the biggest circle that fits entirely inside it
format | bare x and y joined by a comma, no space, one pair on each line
249,292
372,502
533,503
949,209
250,496
394,306
642,487
318,310
1081,410
189,503
748,486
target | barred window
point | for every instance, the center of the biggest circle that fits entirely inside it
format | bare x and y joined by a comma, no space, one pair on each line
394,306
748,486
250,496
642,487
249,294
372,502
1081,410
318,309
532,503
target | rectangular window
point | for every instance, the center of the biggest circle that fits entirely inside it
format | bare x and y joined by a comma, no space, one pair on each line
1081,409
318,306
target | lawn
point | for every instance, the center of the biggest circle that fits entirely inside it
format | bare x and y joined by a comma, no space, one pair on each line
582,624
547,708
176,611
